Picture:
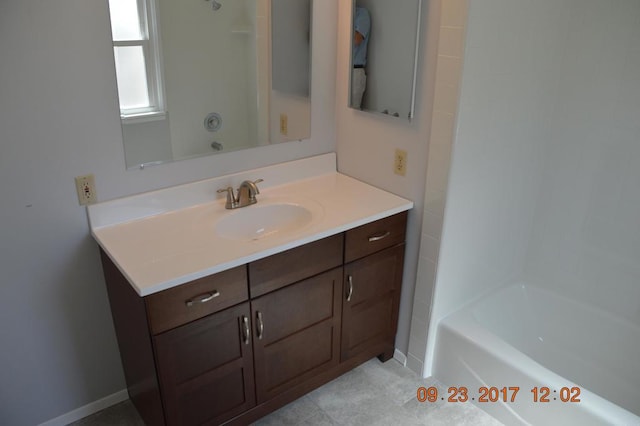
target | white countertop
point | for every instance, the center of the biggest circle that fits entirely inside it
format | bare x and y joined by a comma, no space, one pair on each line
168,247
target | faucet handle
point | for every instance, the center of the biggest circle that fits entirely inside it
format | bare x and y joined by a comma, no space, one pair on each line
253,190
231,198
255,182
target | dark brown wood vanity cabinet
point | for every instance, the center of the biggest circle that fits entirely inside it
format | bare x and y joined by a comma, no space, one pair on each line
234,346
372,281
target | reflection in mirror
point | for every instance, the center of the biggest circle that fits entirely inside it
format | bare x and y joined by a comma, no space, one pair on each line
201,77
384,56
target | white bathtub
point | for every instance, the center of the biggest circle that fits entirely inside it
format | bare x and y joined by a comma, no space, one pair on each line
526,337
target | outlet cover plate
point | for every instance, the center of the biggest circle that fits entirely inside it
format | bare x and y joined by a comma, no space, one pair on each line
400,162
86,189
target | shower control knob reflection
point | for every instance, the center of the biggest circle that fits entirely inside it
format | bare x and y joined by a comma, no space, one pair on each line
213,122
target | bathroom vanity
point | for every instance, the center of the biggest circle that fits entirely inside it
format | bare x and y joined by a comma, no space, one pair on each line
267,318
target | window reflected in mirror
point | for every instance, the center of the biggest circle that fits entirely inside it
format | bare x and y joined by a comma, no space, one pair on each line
205,76
135,49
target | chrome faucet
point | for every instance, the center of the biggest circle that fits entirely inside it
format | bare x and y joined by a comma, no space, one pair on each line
246,194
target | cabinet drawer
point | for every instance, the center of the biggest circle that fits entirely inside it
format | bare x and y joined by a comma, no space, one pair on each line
375,236
293,265
196,299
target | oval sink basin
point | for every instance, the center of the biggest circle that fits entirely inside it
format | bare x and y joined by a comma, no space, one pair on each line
260,221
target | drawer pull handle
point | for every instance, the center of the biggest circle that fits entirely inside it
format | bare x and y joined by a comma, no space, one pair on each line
203,298
260,325
246,331
350,288
378,237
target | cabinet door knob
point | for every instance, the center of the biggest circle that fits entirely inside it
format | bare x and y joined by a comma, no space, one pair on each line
378,237
202,298
349,288
246,331
260,325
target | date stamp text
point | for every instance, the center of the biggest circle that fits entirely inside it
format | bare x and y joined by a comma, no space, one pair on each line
541,394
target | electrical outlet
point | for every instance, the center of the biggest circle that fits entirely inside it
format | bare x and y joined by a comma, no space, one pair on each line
400,162
86,188
284,125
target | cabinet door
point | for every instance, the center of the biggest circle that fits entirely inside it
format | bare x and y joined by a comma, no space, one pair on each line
371,300
296,333
206,368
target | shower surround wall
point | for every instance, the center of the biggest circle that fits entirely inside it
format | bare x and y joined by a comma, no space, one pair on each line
223,81
585,242
544,178
453,18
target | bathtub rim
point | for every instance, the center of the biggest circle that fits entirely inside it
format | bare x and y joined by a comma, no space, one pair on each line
464,325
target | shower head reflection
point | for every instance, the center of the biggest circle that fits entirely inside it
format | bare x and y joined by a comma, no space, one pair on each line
215,5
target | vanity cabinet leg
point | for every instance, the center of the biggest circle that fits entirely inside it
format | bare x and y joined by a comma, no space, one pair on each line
387,354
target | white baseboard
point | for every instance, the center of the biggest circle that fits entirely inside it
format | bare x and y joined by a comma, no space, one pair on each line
87,410
400,357
415,365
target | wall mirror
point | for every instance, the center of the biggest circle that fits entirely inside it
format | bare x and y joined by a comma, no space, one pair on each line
384,56
200,77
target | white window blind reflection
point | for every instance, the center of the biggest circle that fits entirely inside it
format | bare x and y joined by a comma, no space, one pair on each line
125,20
133,88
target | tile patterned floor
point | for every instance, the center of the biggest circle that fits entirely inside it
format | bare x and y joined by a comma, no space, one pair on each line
372,394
